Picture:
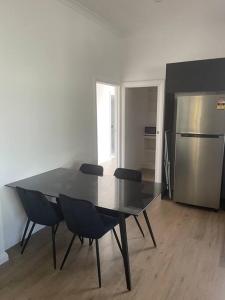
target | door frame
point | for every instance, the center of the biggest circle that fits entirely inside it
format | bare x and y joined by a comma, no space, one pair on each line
118,130
160,84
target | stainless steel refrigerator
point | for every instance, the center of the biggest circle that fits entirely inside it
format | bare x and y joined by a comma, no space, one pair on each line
200,130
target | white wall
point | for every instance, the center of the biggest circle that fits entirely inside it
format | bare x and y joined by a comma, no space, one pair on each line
177,31
50,57
140,111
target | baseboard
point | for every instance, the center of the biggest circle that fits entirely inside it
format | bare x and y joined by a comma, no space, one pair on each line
3,258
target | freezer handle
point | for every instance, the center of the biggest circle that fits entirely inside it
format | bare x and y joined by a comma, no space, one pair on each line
201,135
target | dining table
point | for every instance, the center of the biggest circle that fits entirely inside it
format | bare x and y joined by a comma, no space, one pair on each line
125,197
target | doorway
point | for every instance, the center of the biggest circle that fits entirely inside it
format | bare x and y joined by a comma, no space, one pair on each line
142,128
107,128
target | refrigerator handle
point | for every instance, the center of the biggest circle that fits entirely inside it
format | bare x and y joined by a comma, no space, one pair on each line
201,135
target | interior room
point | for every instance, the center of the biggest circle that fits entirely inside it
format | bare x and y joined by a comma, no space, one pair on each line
112,169
140,130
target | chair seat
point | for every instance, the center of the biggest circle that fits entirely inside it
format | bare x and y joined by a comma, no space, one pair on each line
109,223
58,211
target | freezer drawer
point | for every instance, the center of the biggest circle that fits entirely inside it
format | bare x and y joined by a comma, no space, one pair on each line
200,114
198,170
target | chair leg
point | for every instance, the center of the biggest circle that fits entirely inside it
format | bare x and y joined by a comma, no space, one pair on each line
68,251
53,247
98,264
28,238
123,235
56,228
139,225
81,239
117,240
149,227
25,232
90,242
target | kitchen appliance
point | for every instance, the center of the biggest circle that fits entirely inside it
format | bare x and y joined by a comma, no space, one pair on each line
150,130
200,131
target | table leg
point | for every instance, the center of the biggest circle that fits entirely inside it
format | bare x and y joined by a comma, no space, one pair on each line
149,227
123,234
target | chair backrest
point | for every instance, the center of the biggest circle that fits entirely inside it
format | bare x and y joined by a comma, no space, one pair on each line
81,216
37,207
128,174
91,169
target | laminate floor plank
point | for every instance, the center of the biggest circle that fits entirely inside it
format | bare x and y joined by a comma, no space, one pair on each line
188,264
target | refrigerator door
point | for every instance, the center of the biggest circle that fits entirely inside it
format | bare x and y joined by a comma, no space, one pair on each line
198,170
200,113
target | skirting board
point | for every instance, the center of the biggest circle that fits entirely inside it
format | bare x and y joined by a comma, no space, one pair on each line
3,258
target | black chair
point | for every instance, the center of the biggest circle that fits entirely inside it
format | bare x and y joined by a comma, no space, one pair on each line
134,175
129,174
39,211
82,219
91,169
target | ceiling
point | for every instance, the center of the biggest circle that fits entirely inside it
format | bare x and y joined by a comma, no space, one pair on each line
131,17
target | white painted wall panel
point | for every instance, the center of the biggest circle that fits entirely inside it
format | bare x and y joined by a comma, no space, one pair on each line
50,57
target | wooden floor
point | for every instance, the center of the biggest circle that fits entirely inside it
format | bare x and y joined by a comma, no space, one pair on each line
148,174
189,262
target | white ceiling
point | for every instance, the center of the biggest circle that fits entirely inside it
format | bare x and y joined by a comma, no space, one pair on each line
131,17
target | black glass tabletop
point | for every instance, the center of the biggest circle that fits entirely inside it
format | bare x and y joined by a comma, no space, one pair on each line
106,192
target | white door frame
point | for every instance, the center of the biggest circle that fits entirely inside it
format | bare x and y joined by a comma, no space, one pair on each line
160,84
